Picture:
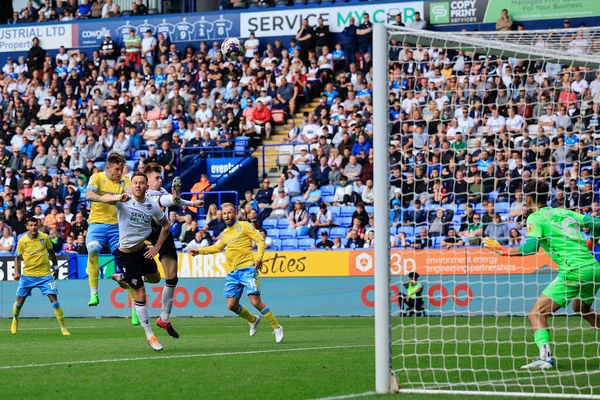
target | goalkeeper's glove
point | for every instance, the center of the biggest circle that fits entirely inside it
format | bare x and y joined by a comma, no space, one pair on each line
494,246
590,244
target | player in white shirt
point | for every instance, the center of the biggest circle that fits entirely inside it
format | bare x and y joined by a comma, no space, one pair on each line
135,214
168,252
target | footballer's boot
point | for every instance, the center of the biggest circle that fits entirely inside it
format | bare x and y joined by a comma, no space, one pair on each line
119,279
176,190
540,364
278,334
254,325
167,326
14,327
94,300
65,332
153,343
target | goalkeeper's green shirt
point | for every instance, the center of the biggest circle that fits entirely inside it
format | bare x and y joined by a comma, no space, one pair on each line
558,231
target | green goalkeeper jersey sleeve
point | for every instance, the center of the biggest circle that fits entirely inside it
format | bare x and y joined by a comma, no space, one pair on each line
558,231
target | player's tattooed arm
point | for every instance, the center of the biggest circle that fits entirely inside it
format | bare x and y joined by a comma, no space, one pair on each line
17,271
91,195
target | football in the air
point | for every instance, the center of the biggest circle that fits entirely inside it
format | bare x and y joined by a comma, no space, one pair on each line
231,48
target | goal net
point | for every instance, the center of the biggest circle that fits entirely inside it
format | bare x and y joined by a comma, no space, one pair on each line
472,118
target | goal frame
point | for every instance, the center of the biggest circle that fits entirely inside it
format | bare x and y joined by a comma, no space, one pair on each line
385,379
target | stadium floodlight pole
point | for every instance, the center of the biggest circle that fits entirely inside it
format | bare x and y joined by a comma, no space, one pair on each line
381,177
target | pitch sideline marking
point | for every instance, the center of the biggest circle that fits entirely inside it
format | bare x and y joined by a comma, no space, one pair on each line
198,327
182,356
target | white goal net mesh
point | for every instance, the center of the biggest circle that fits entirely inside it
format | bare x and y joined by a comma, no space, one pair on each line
473,118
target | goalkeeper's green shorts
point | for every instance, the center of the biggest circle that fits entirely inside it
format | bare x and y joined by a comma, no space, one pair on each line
568,286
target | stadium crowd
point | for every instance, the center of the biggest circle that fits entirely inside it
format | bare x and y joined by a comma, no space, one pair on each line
468,131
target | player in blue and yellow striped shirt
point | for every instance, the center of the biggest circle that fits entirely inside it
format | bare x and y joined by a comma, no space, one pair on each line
243,268
35,250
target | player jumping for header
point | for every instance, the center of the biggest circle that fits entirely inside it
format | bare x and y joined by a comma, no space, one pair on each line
237,239
168,252
558,232
135,214
104,230
35,249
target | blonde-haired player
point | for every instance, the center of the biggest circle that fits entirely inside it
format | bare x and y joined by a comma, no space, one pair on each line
237,239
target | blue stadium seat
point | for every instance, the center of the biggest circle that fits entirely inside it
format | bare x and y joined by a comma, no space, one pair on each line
327,190
321,230
100,165
347,211
327,199
293,199
369,209
346,222
461,208
269,223
344,242
431,207
337,232
409,230
393,230
286,233
276,244
314,210
282,223
289,244
335,210
306,243
136,154
437,241
479,209
273,233
44,207
241,146
130,164
492,196
201,223
502,207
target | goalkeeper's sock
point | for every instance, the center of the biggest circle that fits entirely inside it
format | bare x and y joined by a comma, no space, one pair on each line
17,310
247,315
269,316
93,271
542,340
60,316
142,313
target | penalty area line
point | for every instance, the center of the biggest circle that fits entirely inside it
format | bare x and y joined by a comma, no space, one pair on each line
347,396
115,360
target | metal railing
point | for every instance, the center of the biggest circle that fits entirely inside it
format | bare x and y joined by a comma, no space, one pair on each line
219,194
264,170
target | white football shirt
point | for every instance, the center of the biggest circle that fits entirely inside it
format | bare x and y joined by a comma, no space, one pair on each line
135,221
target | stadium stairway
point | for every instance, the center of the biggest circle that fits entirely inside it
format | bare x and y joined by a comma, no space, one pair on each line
271,160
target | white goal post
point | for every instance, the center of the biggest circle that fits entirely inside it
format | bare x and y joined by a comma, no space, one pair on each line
478,348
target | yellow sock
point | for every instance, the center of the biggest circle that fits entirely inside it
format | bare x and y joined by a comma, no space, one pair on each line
17,310
244,313
269,316
93,271
130,292
60,316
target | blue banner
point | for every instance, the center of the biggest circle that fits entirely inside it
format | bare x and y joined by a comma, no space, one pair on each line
216,167
324,296
178,28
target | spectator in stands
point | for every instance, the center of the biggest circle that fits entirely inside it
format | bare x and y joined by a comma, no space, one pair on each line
84,10
354,240
343,193
451,240
261,118
474,231
439,222
417,23
109,9
7,241
199,241
264,194
280,204
217,225
324,243
35,58
497,230
305,38
298,217
325,219
365,35
505,22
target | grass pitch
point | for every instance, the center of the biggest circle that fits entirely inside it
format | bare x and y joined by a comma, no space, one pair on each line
320,357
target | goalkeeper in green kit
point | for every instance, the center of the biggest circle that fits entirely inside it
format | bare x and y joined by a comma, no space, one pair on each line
558,232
